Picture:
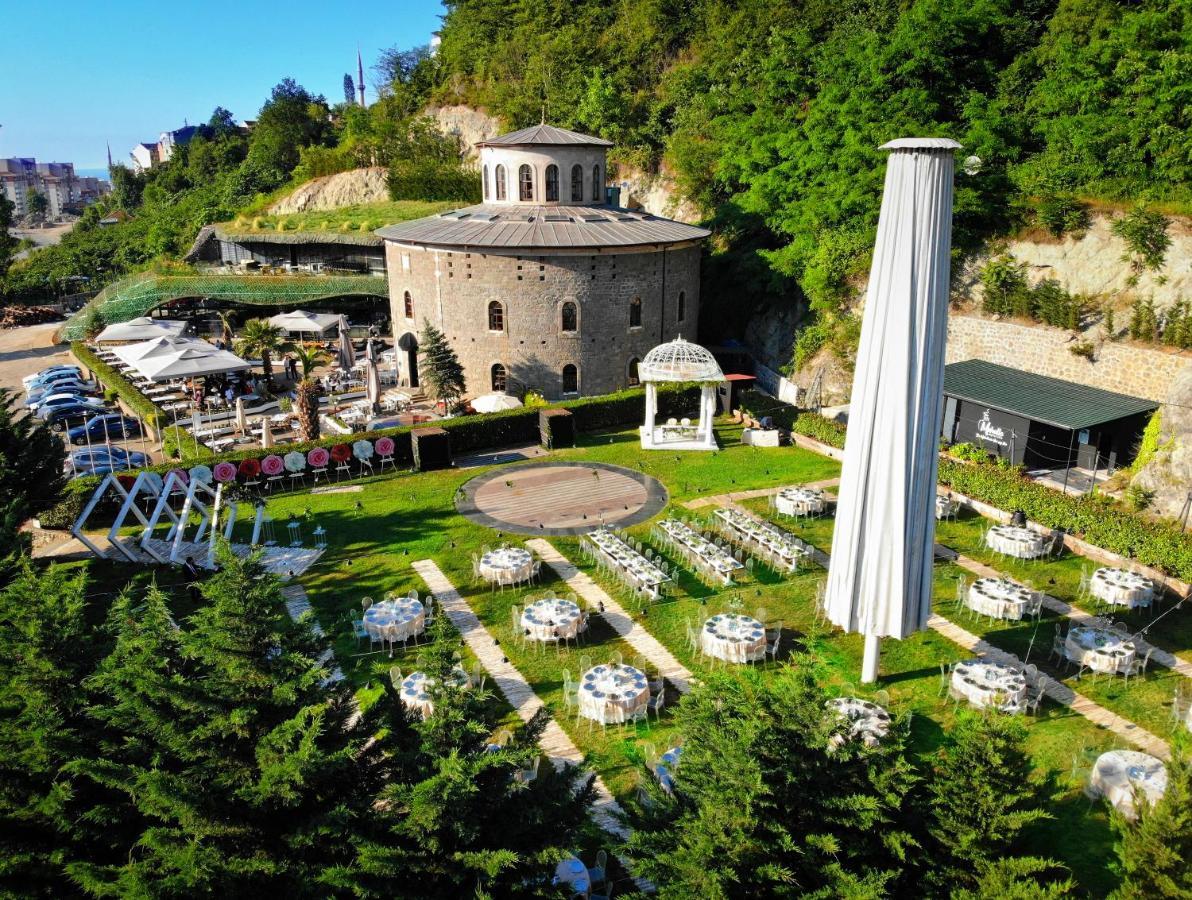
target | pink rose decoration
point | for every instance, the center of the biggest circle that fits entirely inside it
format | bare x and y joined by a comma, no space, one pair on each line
180,476
318,457
225,472
385,446
272,464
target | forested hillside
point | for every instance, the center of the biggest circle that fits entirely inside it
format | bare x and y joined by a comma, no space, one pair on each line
769,113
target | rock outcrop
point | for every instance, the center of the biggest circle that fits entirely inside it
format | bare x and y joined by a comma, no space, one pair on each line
334,191
1169,472
469,125
655,193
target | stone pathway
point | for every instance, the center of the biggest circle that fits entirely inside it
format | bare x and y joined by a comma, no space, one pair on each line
512,684
297,606
1164,658
633,633
737,496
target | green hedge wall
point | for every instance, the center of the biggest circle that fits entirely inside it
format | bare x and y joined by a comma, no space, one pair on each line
826,431
74,497
1097,520
124,389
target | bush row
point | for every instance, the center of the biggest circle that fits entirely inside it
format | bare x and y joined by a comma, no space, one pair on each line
1095,519
114,381
70,505
826,431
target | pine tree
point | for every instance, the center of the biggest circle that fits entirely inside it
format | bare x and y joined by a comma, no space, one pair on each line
31,469
349,90
440,365
980,799
1156,850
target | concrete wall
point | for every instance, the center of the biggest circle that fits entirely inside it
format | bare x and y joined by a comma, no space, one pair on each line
1118,366
454,288
513,158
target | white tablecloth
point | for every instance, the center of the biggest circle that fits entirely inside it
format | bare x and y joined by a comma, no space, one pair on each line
1122,587
551,619
703,550
613,694
945,506
408,615
638,570
1098,649
733,637
1119,774
799,501
1015,541
664,771
999,598
990,684
865,721
574,874
763,535
415,694
506,565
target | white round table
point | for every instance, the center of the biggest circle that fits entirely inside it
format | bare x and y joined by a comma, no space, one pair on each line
507,565
1099,649
408,615
799,501
664,770
945,507
734,638
1121,775
999,598
415,693
1122,587
1013,540
613,694
865,720
990,685
550,619
573,873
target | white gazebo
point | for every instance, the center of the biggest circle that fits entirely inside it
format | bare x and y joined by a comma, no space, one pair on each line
680,361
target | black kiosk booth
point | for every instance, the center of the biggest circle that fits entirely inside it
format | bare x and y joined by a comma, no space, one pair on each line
1040,422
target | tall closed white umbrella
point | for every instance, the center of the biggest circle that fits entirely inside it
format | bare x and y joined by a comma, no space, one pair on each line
372,378
266,433
241,418
880,576
347,353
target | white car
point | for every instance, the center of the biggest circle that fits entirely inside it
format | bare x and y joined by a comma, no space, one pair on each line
71,400
82,388
57,373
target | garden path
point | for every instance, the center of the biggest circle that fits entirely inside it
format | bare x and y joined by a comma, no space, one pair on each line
636,636
737,496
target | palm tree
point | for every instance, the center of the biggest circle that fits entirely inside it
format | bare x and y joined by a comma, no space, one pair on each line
227,332
258,337
306,397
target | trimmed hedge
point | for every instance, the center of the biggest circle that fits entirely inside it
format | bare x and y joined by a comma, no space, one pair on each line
70,505
113,380
826,431
1095,519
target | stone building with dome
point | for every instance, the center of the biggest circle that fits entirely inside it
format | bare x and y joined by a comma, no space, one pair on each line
544,285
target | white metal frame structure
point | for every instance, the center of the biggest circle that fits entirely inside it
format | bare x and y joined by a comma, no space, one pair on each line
680,361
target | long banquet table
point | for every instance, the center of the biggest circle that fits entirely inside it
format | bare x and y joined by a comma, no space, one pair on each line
631,565
757,534
702,553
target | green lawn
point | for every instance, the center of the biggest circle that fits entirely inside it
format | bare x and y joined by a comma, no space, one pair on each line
362,217
376,533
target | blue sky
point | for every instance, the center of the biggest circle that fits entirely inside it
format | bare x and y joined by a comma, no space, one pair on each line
75,75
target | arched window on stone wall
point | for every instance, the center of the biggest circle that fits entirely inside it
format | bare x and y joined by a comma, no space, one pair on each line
577,183
597,186
570,317
552,183
409,303
486,182
635,312
499,377
633,379
570,379
496,316
682,305
525,183
500,182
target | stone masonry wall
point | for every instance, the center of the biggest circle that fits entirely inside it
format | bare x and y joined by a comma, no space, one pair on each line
1122,367
454,288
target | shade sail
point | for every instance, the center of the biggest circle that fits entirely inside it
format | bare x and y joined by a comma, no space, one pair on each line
880,576
141,329
300,321
487,403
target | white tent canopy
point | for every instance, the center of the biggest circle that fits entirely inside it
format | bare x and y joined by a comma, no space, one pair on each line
141,329
880,576
164,358
680,361
161,346
494,402
300,321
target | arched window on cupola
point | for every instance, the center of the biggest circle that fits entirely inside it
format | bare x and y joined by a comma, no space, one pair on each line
525,183
485,186
577,184
597,186
552,183
500,182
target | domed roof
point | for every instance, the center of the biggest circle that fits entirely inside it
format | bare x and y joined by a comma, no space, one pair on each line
679,360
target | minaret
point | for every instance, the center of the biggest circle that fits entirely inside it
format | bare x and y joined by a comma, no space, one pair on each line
360,75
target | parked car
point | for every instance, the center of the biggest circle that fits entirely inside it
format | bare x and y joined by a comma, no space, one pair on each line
45,374
52,378
101,460
67,416
66,399
78,388
101,428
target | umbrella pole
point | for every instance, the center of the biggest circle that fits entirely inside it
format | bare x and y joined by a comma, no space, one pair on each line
869,663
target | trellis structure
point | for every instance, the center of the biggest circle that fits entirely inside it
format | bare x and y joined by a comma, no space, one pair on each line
139,294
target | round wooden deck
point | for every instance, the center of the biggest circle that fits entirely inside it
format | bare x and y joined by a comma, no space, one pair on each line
560,498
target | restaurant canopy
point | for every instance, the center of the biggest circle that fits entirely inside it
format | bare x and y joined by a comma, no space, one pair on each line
141,329
164,358
301,322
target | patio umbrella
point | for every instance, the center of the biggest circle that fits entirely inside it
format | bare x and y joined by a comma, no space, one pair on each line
241,418
266,433
494,402
879,579
372,378
302,322
346,352
142,328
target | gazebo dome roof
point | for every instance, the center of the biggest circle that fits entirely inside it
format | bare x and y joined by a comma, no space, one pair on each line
679,360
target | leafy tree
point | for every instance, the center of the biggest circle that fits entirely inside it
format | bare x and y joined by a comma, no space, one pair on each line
440,366
8,244
37,204
1155,851
767,806
292,118
259,338
221,124
981,800
1146,237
